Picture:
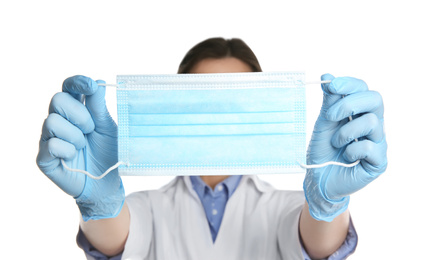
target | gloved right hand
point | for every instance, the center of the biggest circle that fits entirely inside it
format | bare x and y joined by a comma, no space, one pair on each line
80,130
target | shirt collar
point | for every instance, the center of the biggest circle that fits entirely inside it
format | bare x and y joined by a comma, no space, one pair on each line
245,180
231,184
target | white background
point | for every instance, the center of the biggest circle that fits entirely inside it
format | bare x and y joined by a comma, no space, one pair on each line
383,42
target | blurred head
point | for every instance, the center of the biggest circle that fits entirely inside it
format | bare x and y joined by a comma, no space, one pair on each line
219,55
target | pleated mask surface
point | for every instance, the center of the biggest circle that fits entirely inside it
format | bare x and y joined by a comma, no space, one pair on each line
211,124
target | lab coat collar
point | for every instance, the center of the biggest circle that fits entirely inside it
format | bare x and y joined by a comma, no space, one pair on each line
230,183
260,185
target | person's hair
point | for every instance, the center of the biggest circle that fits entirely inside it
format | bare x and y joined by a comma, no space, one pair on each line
219,48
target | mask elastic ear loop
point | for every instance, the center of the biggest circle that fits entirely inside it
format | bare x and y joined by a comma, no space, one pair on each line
313,166
108,85
89,174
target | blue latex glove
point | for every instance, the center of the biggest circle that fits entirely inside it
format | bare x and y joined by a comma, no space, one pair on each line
327,189
85,136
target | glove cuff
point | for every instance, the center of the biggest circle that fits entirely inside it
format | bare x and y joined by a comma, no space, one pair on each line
100,208
322,208
326,210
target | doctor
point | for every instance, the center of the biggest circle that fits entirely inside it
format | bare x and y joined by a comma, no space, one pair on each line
216,217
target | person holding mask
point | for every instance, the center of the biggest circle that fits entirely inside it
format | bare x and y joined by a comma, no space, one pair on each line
216,217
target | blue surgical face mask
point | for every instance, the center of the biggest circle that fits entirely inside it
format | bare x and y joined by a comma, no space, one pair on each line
211,124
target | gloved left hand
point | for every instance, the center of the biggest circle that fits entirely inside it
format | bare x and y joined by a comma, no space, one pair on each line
327,189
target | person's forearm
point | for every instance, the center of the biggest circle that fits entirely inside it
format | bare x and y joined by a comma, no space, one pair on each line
108,235
320,238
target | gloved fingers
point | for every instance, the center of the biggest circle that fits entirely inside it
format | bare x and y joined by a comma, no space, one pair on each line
328,98
368,125
337,88
345,86
357,103
96,105
49,163
72,110
51,151
79,85
57,126
324,77
368,152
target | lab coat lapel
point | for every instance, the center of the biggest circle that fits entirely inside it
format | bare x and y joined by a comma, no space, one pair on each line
229,241
236,236
201,236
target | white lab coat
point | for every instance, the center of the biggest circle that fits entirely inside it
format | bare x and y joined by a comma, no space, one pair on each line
259,223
